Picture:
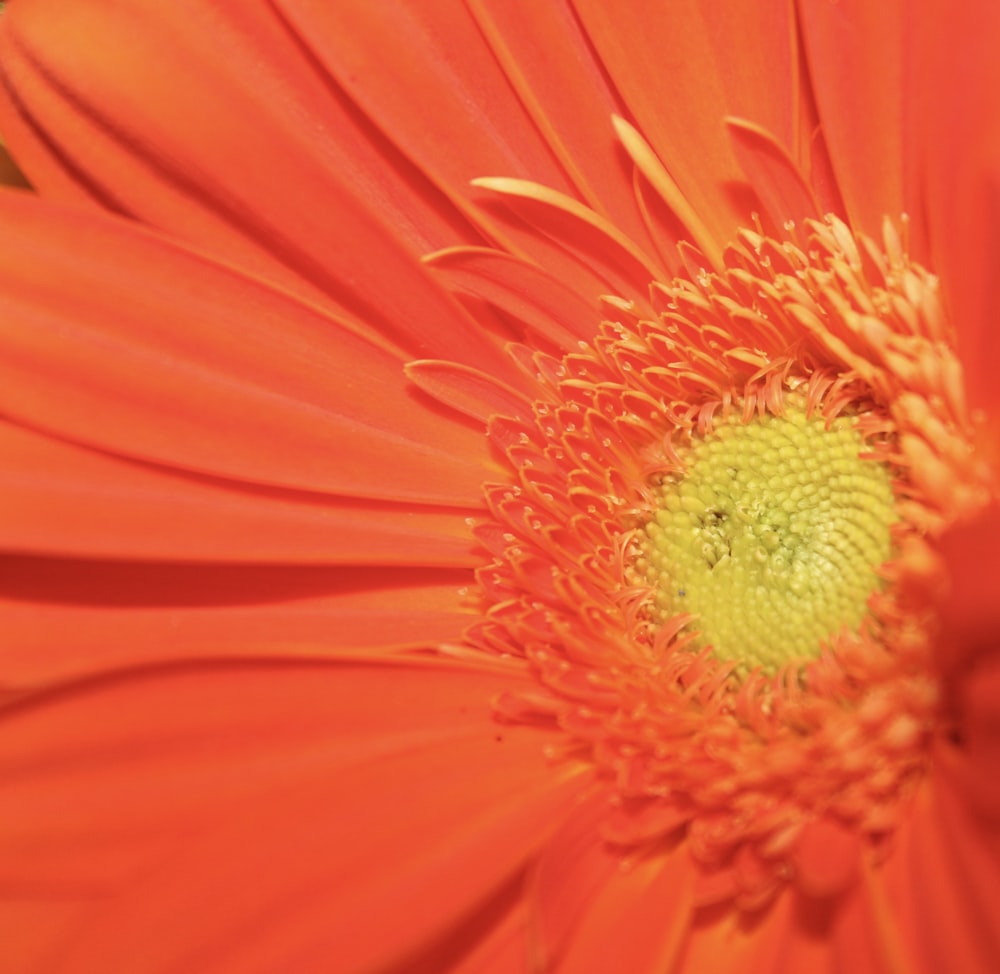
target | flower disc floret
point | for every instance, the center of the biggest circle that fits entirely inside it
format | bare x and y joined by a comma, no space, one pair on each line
754,423
771,538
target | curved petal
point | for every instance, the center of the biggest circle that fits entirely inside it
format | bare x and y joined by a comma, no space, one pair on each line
607,261
681,68
548,61
554,312
438,57
954,75
599,910
151,351
468,391
946,867
462,62
778,182
784,938
254,155
206,797
855,56
65,500
63,618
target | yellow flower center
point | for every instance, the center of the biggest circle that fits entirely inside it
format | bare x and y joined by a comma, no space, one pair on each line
771,538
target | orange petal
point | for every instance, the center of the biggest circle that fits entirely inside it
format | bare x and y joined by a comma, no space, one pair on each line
208,797
469,391
451,72
553,311
980,710
865,935
597,912
62,618
954,77
549,63
970,611
444,80
681,68
784,938
776,179
489,939
827,858
214,126
638,922
10,173
571,871
942,884
67,500
148,350
855,52
968,757
608,262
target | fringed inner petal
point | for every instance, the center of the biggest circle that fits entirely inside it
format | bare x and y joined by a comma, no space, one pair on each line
757,759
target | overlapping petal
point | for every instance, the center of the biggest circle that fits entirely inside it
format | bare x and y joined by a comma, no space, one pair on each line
67,500
855,53
67,617
957,93
679,68
219,528
205,795
258,102
221,376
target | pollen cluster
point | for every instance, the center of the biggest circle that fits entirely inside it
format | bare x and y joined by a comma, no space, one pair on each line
771,539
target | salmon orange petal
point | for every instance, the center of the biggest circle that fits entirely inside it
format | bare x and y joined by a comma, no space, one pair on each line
956,83
596,908
212,377
546,56
970,615
506,489
65,618
855,57
942,885
66,500
103,105
636,918
680,68
244,789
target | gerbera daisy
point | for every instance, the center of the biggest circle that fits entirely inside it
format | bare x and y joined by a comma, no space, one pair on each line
507,488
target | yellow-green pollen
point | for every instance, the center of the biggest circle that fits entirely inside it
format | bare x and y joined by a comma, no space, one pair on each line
771,537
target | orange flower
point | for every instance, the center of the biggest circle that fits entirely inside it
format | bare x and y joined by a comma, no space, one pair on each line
506,493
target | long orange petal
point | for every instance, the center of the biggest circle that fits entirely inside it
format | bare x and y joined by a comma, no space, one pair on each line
548,60
65,618
254,156
954,76
597,912
942,884
205,797
62,499
855,57
681,68
221,376
554,312
970,614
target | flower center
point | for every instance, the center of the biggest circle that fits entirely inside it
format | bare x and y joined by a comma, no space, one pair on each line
770,538
703,549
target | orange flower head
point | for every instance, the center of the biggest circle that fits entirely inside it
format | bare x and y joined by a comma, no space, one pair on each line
598,594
